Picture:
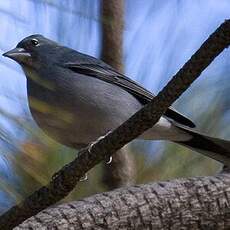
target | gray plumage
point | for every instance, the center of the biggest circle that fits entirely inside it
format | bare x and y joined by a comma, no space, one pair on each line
76,98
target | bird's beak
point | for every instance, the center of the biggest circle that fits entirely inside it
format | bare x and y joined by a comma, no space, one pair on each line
18,54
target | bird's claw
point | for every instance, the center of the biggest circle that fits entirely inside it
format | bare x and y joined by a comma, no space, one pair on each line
94,142
84,178
109,161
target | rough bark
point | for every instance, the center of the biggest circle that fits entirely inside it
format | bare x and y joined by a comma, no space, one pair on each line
121,171
193,203
66,179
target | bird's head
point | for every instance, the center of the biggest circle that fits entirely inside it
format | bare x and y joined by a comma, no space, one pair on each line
35,50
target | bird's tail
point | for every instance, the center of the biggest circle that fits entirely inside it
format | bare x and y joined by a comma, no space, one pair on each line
215,148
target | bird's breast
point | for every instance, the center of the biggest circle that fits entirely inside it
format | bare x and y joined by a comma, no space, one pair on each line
80,111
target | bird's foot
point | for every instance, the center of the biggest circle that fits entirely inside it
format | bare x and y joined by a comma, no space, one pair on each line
110,159
95,142
57,174
84,178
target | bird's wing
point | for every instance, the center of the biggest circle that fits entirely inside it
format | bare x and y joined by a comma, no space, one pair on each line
106,73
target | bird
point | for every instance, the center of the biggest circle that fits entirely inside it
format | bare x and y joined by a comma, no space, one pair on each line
76,99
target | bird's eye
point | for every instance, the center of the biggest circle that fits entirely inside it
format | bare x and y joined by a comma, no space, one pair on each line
34,42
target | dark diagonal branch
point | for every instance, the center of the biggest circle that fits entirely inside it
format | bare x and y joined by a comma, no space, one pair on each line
191,203
67,178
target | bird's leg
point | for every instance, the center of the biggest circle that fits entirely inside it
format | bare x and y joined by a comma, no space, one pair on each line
109,159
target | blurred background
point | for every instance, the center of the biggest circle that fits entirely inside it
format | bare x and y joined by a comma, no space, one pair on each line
158,37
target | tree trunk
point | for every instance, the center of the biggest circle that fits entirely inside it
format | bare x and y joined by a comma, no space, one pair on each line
193,203
112,14
121,171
